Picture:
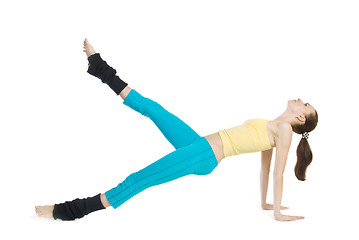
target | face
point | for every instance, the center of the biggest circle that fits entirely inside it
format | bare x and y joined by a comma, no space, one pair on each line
300,108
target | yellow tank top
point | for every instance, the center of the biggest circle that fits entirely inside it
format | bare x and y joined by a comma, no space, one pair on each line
250,137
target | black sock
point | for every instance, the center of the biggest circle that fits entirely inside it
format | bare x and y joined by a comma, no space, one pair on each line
100,69
77,208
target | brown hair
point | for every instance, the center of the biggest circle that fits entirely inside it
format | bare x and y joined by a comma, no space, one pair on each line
304,153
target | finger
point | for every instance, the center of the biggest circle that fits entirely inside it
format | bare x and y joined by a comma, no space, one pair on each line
289,218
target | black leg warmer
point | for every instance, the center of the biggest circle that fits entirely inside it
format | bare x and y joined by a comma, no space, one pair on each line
100,69
77,208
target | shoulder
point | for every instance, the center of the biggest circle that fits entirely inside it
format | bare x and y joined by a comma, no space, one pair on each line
284,128
282,132
280,128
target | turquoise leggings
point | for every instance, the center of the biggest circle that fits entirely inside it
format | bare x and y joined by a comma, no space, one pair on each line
193,154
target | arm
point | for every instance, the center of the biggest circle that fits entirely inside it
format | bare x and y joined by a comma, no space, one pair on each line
283,144
264,175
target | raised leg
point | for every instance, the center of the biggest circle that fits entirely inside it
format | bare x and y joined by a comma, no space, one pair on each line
89,50
178,133
125,92
175,130
100,69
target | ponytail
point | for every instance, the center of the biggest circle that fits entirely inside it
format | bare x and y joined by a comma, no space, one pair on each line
304,158
304,153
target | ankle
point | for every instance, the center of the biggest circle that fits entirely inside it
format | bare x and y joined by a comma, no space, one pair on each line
104,201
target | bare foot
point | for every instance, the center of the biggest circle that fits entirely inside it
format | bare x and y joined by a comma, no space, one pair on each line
45,211
88,49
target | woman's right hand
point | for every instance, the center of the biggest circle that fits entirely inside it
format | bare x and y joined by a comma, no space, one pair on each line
285,218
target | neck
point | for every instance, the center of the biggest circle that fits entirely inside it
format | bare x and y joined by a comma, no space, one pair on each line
286,117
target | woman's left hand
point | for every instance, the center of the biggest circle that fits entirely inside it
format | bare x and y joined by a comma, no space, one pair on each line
268,206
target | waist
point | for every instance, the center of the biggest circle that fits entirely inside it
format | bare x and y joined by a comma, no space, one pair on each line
217,146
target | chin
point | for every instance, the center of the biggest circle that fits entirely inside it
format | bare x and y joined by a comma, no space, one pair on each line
290,105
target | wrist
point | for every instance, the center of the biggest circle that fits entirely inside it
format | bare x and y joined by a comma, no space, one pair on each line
276,208
277,214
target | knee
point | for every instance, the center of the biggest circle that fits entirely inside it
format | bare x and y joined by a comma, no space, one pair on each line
131,181
143,105
149,107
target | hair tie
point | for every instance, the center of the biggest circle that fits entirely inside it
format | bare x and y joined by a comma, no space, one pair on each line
305,135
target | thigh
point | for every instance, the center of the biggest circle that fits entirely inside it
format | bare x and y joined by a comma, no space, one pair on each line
178,133
197,158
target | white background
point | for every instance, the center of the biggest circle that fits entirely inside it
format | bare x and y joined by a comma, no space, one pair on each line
214,64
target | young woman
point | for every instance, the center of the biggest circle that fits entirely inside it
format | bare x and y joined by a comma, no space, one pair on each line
195,154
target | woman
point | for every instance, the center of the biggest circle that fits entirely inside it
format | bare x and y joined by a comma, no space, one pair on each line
195,154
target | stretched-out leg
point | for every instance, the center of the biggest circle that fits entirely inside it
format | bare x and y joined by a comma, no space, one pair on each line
197,158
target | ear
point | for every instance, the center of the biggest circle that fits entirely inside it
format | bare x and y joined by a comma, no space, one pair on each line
301,118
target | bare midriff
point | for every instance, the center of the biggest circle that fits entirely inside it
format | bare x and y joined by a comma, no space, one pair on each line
216,143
